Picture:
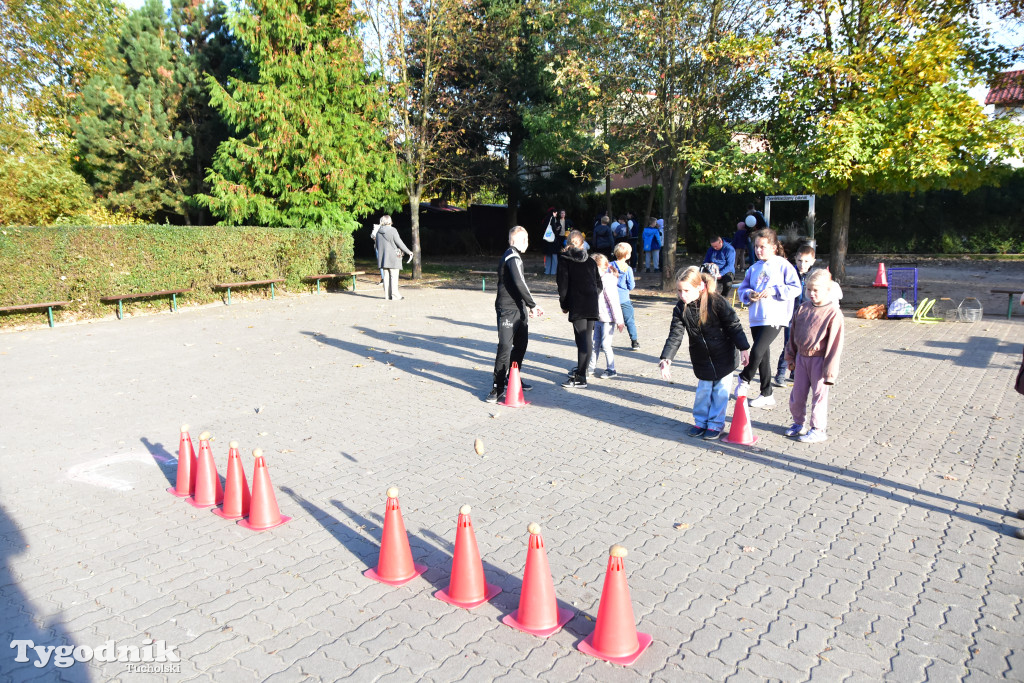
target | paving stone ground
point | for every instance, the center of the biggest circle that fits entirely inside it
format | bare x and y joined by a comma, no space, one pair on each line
887,553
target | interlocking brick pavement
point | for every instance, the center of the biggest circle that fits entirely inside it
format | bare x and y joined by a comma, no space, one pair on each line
886,553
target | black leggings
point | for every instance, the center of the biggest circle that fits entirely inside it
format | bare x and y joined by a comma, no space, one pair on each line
761,356
583,331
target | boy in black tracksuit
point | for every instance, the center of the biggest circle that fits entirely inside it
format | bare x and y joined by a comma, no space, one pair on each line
514,306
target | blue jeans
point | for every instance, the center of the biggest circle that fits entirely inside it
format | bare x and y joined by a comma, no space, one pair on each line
711,402
550,264
629,318
648,255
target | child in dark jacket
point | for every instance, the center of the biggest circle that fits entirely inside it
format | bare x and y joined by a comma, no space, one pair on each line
715,336
579,285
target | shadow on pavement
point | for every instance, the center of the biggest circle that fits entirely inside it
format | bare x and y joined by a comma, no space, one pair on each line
856,481
166,461
19,623
975,352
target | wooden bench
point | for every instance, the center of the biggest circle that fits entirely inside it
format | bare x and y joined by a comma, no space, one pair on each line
119,298
1011,293
250,283
48,305
483,277
331,276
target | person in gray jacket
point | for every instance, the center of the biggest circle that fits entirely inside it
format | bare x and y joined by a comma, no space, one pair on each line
390,248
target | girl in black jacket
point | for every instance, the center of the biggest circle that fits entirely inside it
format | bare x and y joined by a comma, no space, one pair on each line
579,284
715,335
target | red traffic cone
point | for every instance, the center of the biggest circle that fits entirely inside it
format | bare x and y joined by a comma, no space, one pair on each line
394,565
208,491
514,390
538,611
263,510
880,280
186,482
741,432
236,492
615,638
467,588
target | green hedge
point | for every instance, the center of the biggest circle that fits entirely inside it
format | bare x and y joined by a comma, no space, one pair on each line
82,264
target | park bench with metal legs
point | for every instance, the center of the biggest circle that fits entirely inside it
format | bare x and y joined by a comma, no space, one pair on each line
48,305
332,276
119,298
250,283
1011,293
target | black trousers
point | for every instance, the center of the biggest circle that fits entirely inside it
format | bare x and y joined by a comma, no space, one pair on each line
583,332
761,356
513,335
723,284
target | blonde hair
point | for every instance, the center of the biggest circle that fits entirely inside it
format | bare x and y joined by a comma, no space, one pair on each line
385,220
816,276
693,277
622,250
601,260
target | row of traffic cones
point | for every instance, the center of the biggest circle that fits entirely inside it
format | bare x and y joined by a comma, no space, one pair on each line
614,638
199,483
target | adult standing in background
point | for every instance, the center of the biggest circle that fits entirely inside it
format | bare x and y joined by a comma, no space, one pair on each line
390,248
554,229
514,306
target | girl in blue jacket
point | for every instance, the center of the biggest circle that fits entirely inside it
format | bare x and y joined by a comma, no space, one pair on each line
768,288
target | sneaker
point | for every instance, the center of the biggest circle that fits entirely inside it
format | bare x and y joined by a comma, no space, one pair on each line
609,374
572,372
574,383
741,389
525,386
493,396
696,431
711,434
635,345
779,380
796,430
813,436
762,401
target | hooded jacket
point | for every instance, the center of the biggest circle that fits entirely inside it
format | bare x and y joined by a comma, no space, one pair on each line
779,278
714,345
579,284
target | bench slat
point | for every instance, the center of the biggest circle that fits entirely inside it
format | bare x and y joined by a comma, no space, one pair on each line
29,307
228,285
119,297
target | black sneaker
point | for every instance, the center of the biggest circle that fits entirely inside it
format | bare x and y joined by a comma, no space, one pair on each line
572,372
713,434
696,431
635,345
493,396
525,386
574,383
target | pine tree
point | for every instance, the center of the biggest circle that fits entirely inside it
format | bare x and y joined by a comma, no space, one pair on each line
311,150
133,150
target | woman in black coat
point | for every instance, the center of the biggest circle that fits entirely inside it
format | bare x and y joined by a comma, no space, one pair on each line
579,284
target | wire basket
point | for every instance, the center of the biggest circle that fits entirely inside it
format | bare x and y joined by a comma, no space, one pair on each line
970,310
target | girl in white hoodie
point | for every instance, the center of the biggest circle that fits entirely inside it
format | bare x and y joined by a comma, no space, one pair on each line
768,288
610,318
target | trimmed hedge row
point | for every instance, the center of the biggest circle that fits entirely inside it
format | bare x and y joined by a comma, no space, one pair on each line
82,264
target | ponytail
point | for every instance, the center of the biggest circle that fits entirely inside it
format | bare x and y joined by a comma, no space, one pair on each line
693,277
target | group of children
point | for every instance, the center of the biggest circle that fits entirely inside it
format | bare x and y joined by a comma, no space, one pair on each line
771,288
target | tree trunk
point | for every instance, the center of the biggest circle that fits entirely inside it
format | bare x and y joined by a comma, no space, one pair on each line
650,198
514,191
668,259
414,220
684,216
840,233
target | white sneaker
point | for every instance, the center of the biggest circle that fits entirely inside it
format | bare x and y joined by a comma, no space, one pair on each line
766,402
813,436
796,430
741,389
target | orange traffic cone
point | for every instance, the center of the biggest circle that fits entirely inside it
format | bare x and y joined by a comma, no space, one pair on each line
467,588
538,611
186,483
236,492
514,390
394,565
615,638
880,280
741,432
263,511
208,491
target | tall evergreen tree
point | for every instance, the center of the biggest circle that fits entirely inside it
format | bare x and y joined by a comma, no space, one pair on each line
133,150
311,149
